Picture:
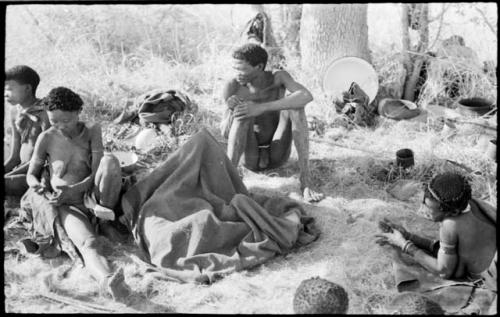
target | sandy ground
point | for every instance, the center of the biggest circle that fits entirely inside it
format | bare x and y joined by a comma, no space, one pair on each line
345,252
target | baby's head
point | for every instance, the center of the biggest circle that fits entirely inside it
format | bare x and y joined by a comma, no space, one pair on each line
63,108
320,296
410,303
21,82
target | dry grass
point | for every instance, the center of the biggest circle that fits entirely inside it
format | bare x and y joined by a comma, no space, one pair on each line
345,252
468,80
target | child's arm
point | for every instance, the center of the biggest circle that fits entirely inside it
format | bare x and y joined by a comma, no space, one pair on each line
447,258
97,153
15,148
37,162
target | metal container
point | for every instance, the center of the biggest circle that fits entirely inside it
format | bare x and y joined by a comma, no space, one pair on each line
491,150
474,107
404,158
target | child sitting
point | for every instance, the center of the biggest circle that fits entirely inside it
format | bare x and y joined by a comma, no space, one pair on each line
78,171
27,119
467,234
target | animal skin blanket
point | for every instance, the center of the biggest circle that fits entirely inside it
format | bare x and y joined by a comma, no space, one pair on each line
454,296
194,220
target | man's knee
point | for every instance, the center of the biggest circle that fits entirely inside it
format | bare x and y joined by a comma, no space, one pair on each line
297,115
240,123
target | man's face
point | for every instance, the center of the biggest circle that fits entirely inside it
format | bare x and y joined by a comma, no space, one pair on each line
64,121
244,72
15,92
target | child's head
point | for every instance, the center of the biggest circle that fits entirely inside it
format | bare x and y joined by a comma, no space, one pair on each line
21,82
447,194
248,60
63,108
320,296
410,303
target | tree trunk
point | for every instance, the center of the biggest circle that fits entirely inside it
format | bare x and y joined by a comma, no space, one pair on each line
286,25
414,55
332,31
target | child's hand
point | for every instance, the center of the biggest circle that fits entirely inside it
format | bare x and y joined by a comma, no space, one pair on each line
387,225
39,188
393,238
62,195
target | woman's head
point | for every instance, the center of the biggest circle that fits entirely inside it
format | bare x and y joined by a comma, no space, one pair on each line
446,195
63,108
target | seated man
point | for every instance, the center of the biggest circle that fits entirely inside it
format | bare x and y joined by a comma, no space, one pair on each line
467,235
77,169
261,121
27,122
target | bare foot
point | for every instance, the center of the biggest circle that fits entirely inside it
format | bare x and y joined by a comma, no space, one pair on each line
116,286
311,195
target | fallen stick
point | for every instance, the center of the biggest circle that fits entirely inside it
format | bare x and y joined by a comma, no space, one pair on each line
82,305
472,122
344,146
465,167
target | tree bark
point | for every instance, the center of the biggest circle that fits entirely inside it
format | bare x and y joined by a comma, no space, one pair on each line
332,31
286,25
414,57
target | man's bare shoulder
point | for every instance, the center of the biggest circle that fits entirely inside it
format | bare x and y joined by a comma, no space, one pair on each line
281,74
232,84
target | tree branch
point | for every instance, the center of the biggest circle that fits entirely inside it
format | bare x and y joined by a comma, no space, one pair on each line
486,21
441,18
37,23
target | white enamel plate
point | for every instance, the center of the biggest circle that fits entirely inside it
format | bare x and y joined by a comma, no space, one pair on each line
125,158
343,71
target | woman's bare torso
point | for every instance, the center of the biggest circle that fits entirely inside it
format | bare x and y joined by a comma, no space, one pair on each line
69,159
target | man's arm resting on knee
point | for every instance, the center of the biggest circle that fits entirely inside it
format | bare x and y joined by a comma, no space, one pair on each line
299,95
228,93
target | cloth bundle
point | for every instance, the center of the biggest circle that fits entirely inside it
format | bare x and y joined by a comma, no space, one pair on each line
156,106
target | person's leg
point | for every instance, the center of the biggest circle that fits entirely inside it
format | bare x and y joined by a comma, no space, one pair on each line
15,185
281,145
108,181
300,134
107,188
80,232
242,142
